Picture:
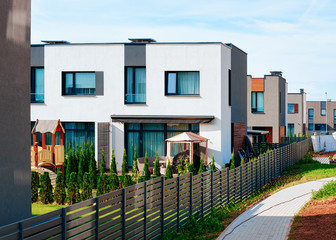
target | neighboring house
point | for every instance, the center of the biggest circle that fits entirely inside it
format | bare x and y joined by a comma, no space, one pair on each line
297,113
15,176
119,95
321,117
267,107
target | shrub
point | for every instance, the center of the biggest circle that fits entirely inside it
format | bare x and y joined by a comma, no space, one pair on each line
113,168
146,172
156,171
213,166
126,181
202,167
135,169
46,191
92,169
191,168
69,166
87,189
232,166
60,193
181,167
102,166
103,184
114,182
34,187
72,191
169,171
80,172
124,165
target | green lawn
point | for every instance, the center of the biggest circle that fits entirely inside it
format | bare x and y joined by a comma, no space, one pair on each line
38,209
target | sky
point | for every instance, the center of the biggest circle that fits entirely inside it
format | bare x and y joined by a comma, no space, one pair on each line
297,37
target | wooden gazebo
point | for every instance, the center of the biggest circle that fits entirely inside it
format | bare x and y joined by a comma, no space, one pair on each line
188,138
48,156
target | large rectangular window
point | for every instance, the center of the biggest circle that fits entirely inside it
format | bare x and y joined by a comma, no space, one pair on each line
310,113
150,138
182,83
78,133
323,108
135,85
257,102
293,108
37,85
291,129
320,126
79,83
311,127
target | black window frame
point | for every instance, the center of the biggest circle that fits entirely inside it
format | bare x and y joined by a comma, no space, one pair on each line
254,110
125,84
323,108
311,116
74,83
33,84
310,125
179,94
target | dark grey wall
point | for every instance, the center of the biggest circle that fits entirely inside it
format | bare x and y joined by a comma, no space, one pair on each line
37,56
238,85
15,196
99,83
135,55
282,89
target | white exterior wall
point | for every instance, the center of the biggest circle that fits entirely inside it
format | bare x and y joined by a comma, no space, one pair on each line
212,60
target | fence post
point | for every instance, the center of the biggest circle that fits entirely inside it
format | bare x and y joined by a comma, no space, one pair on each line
145,209
178,203
202,194
123,213
211,189
63,223
190,194
97,217
162,205
227,186
20,230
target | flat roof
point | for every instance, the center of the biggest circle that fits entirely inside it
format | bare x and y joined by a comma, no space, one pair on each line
161,119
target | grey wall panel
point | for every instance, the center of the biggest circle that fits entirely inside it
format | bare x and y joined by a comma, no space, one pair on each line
104,142
99,83
135,55
37,56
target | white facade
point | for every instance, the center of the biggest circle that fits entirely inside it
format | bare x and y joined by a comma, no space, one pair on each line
212,60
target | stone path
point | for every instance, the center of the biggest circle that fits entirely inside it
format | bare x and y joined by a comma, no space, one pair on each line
272,217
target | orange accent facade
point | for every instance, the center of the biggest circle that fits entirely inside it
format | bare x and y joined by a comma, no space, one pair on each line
257,85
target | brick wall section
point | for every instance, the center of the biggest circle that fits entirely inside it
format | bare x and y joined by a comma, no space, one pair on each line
104,142
238,136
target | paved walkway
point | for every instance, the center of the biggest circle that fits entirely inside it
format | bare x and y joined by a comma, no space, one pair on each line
272,217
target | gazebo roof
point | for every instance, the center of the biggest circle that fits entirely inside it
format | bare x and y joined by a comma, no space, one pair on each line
44,126
187,137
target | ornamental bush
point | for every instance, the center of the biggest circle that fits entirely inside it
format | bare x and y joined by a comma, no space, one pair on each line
92,168
202,167
146,172
126,181
191,168
80,172
135,168
87,189
72,191
46,190
232,166
60,193
124,165
114,182
156,171
103,184
34,187
169,171
113,168
213,166
102,166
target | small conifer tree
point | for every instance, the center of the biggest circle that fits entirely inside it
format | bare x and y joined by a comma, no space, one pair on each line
202,167
213,166
232,166
113,168
181,167
124,166
103,184
135,169
223,166
156,171
169,171
60,193
114,182
242,162
191,168
87,190
146,172
92,168
72,190
80,172
102,167
46,191
127,180
34,187
69,168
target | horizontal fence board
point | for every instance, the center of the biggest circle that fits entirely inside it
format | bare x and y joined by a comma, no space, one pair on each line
42,227
41,218
46,233
80,221
80,229
116,230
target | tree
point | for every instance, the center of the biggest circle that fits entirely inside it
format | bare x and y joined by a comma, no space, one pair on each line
103,184
191,168
202,167
114,182
146,172
86,154
242,162
60,193
113,168
213,166
87,189
181,168
156,171
232,166
124,166
69,166
127,180
46,191
135,169
169,171
92,168
72,191
81,171
34,187
102,167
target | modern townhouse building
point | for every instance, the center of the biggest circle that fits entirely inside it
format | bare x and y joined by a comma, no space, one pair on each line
119,95
321,117
267,107
297,113
15,195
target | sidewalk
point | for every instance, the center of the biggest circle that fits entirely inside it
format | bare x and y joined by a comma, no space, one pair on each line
272,217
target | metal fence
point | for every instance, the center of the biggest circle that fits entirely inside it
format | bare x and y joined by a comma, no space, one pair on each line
146,210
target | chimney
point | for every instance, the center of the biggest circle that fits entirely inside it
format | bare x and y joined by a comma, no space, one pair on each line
301,91
142,40
276,73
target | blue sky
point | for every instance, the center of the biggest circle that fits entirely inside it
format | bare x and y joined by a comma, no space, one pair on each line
297,37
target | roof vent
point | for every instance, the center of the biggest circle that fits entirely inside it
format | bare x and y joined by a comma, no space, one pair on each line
276,73
55,42
142,40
